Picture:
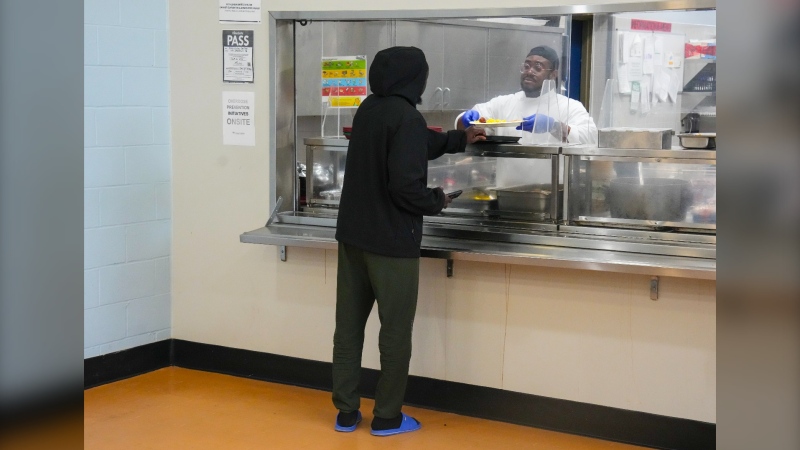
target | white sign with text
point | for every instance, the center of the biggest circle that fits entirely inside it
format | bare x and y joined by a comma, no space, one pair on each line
238,118
238,11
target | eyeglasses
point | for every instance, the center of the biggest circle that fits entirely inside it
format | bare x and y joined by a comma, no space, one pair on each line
536,67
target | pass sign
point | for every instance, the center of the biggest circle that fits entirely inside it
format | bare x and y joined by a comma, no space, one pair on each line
237,56
237,39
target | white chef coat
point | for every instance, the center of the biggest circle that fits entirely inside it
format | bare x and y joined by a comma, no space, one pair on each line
563,109
514,171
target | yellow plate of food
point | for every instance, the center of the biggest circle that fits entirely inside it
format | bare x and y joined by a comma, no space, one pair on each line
486,122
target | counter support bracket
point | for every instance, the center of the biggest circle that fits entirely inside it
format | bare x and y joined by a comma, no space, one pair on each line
654,288
449,268
275,210
282,252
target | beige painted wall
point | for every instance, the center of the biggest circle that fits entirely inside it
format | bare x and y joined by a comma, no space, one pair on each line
578,335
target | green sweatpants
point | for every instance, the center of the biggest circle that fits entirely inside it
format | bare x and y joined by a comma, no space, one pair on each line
362,279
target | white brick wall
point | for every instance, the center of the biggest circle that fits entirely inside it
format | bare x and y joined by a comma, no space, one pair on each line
127,175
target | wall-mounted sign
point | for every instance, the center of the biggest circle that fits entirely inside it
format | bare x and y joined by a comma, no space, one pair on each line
344,81
238,118
650,25
240,11
237,56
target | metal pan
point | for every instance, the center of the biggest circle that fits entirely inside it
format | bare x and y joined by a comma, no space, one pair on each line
531,198
698,140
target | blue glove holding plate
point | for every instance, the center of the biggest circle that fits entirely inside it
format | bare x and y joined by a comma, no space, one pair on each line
542,123
469,116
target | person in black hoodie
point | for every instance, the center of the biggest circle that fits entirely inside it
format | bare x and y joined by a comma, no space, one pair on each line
379,229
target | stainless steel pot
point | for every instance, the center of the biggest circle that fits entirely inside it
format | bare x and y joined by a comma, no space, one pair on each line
662,199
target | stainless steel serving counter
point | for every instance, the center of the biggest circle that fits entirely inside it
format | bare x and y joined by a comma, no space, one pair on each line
493,240
569,256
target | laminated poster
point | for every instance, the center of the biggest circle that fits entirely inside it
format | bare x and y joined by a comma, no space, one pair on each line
237,56
344,81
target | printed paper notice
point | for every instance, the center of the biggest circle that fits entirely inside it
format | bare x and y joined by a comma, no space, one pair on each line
637,47
673,86
635,95
658,49
624,82
648,63
238,119
237,56
635,69
240,11
661,85
626,40
644,88
674,60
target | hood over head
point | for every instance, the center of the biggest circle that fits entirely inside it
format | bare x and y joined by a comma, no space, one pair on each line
401,71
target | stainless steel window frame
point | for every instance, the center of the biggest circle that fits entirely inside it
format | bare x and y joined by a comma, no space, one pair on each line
282,132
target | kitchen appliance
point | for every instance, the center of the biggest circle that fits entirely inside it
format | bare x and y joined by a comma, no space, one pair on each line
325,166
691,123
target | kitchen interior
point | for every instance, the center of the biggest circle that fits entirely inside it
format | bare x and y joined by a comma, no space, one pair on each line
643,193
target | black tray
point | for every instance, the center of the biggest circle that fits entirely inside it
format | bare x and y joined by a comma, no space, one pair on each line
499,140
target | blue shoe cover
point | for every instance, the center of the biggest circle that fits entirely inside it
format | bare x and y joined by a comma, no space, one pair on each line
337,427
407,425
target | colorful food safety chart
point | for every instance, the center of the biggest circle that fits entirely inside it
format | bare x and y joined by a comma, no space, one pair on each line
344,81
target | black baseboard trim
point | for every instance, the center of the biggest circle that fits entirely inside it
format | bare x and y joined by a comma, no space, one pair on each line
603,422
633,427
126,363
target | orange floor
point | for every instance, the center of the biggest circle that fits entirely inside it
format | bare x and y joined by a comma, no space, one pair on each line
175,408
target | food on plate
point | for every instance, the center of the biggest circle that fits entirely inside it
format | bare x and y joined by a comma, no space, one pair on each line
488,121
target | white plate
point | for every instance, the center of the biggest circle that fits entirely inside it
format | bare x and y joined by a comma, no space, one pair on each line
508,123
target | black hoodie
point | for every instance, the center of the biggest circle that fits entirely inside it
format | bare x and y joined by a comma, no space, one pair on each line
385,191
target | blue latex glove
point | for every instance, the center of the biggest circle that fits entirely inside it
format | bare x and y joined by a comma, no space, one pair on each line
470,116
543,123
